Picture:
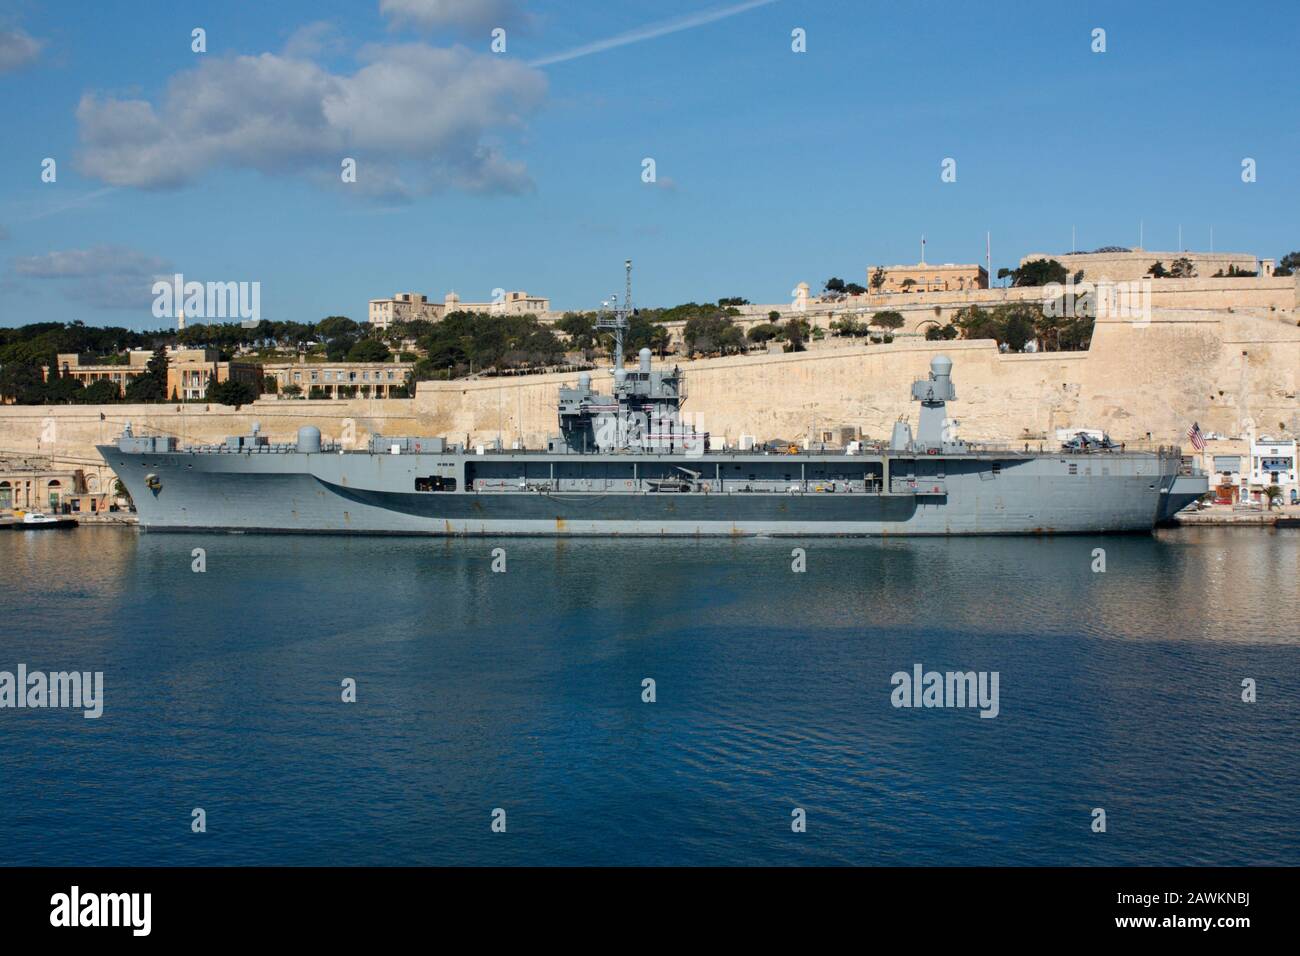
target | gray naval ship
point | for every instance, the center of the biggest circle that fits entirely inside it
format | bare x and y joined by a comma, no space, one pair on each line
626,462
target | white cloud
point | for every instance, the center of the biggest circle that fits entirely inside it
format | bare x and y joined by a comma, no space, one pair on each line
17,49
110,277
453,14
415,117
313,40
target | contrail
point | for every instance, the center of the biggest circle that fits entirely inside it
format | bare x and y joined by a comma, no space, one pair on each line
652,30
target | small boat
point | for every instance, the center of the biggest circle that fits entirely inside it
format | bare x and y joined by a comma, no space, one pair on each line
40,521
1287,522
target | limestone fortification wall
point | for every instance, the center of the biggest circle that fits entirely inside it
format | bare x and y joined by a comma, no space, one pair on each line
1275,293
1223,369
1126,266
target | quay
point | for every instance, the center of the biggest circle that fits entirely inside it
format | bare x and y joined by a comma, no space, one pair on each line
1287,516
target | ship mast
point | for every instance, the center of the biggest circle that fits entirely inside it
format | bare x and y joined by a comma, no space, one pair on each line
619,321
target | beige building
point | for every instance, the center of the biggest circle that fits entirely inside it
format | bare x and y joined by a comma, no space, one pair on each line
403,307
340,379
1134,264
39,484
928,277
408,306
510,303
189,371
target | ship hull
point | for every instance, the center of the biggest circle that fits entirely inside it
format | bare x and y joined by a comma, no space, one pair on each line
327,493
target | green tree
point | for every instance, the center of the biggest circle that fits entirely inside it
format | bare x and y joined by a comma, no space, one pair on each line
1157,270
336,325
1288,265
580,327
61,389
795,332
338,347
888,320
145,388
941,333
369,350
157,365
848,326
230,392
1017,324
877,280
1038,272
100,392
976,323
715,333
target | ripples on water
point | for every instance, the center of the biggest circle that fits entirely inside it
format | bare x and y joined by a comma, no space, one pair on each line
522,690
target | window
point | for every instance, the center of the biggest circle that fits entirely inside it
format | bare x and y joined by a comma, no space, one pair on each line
435,483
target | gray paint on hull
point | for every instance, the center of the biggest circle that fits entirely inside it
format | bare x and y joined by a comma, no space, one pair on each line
330,493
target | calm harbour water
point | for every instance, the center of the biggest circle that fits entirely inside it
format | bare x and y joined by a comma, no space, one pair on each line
522,690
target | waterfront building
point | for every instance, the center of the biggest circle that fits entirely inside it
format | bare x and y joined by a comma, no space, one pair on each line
1273,463
1227,462
340,379
928,277
403,307
39,483
189,371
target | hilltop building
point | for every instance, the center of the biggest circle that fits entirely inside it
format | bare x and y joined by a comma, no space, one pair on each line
1128,265
511,303
339,379
927,277
189,371
403,307
409,306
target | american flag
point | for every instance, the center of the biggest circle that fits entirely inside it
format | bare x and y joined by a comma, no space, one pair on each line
1195,436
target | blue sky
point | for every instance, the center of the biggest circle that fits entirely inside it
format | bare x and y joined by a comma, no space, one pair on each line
479,170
